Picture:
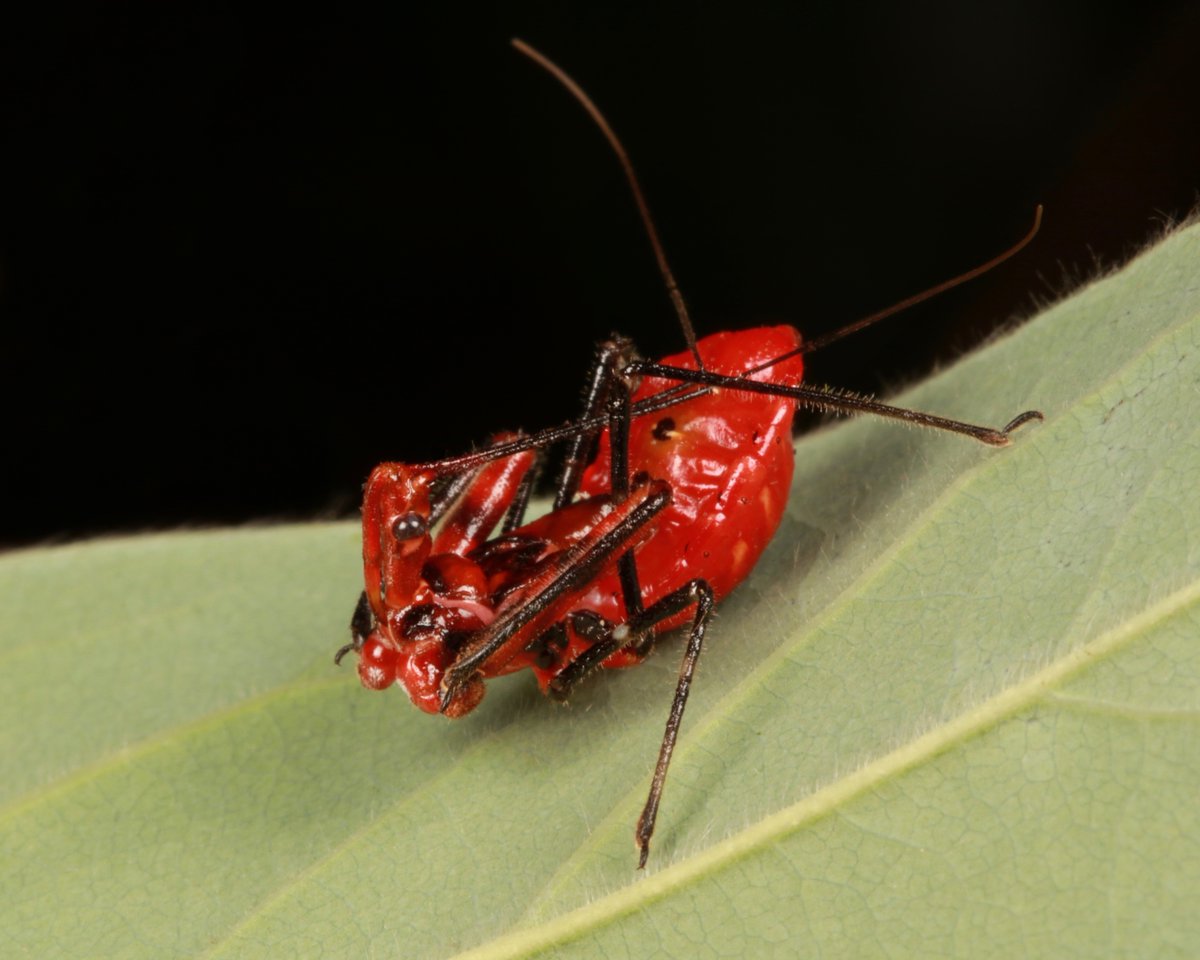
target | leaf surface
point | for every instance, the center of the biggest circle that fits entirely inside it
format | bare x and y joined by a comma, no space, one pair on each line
952,713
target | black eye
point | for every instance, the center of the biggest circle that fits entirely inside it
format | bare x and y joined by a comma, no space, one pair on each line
408,526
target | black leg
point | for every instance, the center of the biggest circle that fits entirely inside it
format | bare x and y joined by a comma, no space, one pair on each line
449,487
573,570
610,356
827,400
619,420
696,592
515,516
700,592
446,493
592,627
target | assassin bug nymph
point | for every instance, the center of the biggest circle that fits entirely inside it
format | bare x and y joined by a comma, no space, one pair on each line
675,478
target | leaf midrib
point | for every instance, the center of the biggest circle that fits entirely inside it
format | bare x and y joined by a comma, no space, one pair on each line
827,799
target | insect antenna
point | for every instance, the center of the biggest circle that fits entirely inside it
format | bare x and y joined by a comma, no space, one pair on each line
694,383
660,255
812,346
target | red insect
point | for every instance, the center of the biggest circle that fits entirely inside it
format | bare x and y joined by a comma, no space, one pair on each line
676,479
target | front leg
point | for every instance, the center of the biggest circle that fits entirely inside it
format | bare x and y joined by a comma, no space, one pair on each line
548,597
482,502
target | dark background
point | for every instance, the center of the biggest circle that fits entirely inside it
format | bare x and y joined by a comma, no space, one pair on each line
243,256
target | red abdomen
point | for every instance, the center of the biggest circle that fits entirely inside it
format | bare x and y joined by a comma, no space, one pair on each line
728,458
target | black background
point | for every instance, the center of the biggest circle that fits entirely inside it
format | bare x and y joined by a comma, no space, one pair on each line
245,256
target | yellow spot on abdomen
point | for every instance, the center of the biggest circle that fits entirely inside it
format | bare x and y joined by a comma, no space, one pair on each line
740,550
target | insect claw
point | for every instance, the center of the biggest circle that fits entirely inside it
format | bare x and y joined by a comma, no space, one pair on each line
457,698
1002,437
337,657
1021,419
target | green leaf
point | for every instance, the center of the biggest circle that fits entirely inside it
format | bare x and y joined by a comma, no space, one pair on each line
952,713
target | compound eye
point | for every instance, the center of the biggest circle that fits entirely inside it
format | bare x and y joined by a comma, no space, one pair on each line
410,525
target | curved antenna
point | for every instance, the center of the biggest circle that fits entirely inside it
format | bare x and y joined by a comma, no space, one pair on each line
664,268
812,346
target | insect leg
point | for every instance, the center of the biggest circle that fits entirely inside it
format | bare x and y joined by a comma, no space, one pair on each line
449,486
515,516
481,503
610,356
696,592
551,435
828,400
445,493
551,593
619,416
700,593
